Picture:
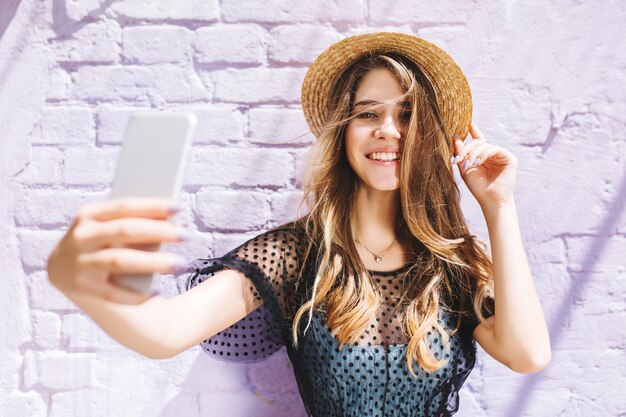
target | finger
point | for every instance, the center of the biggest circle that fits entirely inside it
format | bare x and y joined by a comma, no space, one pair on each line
489,153
159,208
478,152
128,231
481,157
463,150
115,293
131,261
475,132
471,159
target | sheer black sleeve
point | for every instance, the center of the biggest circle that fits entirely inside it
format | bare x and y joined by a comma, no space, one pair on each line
463,304
488,310
464,363
271,262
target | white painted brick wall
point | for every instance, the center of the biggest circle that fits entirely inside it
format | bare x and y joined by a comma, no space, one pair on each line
278,126
79,333
241,85
431,11
104,83
172,83
217,209
254,167
85,166
112,121
65,125
43,167
217,124
155,44
37,244
58,370
300,43
196,10
546,86
59,82
79,10
231,44
278,11
46,329
46,297
95,43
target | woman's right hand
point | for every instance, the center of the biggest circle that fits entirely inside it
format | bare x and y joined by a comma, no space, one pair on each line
99,244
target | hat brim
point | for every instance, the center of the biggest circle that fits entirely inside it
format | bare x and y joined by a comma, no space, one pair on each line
452,91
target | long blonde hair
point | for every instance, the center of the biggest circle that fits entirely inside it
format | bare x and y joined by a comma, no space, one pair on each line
452,269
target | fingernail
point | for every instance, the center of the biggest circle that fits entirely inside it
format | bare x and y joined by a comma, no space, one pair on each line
174,208
466,164
476,161
179,265
455,159
155,293
184,235
467,140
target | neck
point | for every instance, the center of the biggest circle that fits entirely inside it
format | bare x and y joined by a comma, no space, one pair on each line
375,217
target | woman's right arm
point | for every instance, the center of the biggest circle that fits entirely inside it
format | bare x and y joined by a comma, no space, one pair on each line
160,327
96,246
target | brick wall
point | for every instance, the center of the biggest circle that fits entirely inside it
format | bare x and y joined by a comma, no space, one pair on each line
548,84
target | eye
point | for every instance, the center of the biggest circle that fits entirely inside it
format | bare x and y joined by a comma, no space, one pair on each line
366,115
406,116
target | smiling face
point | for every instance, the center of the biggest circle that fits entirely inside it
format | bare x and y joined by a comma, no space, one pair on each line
375,134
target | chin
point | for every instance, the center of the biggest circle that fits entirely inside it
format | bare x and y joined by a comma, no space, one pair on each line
384,186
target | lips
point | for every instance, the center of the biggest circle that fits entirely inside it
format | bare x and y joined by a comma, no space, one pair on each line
393,149
384,163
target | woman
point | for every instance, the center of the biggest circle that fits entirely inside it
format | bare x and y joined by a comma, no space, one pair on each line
379,292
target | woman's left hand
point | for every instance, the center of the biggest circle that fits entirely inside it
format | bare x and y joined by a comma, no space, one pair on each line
488,170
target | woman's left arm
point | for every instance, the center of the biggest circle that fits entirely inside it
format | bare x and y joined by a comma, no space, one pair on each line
517,334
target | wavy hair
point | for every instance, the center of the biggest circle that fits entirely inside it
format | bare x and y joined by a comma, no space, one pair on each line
451,270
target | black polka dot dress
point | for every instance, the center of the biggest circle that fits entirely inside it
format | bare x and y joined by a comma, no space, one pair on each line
369,378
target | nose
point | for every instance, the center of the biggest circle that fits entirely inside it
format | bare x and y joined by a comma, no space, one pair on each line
388,130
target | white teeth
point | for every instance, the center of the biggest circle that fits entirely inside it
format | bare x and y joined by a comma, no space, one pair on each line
384,156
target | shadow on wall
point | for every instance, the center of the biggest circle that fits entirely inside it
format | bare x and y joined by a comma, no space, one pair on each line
7,13
218,388
63,25
605,230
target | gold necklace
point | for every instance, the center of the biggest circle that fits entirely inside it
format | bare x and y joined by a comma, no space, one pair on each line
377,257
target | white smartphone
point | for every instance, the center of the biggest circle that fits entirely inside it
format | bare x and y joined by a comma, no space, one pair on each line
152,163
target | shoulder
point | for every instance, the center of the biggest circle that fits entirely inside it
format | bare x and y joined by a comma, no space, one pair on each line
287,238
290,234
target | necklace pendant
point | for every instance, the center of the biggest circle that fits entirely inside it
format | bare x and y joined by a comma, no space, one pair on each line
378,259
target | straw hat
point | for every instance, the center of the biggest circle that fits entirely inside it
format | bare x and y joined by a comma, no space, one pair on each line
452,90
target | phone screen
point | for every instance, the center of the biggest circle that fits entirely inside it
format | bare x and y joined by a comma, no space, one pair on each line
151,163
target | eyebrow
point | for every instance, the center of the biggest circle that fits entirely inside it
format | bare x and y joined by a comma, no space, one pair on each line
368,102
